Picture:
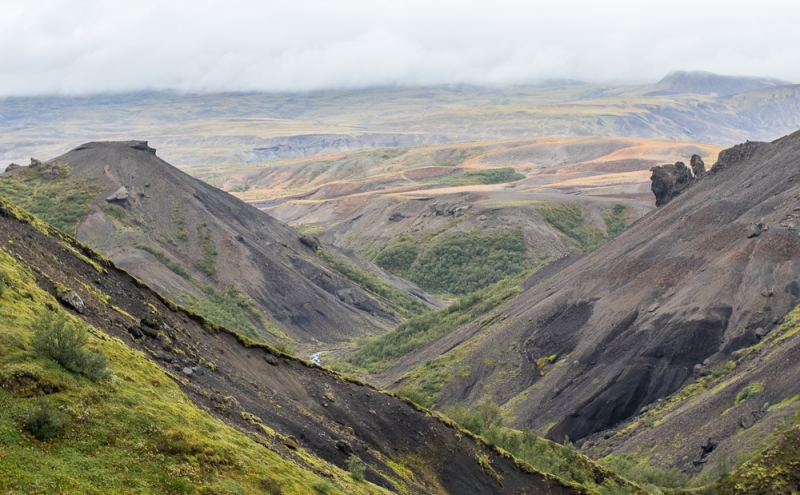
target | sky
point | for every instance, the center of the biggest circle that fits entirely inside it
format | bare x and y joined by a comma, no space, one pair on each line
76,47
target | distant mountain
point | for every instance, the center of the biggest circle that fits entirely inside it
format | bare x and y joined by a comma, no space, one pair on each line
687,313
707,83
235,128
203,247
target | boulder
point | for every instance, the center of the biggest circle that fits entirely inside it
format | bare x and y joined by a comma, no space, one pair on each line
310,241
754,229
187,371
74,301
344,446
748,420
120,195
35,163
669,180
12,166
698,167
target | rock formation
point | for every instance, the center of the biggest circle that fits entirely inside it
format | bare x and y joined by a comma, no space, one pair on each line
669,181
698,167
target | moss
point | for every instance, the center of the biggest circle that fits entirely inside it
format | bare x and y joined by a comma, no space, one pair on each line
776,470
309,229
115,212
749,391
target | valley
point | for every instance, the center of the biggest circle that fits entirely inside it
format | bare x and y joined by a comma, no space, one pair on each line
430,290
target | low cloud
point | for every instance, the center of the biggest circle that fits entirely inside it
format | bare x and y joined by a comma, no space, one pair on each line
72,47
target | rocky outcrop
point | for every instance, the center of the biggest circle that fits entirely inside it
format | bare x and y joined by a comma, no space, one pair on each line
669,180
12,166
35,163
698,167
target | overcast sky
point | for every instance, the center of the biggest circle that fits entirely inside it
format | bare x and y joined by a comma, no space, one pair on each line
49,46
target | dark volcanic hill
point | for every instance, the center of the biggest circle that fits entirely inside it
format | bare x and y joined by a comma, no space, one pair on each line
201,246
678,300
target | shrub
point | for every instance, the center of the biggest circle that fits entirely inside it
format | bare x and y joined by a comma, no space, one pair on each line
63,340
272,486
322,486
285,346
43,422
614,220
356,468
630,467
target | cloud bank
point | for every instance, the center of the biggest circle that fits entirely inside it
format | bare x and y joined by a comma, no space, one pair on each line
73,47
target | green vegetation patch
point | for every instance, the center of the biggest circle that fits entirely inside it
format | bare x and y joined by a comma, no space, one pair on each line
569,220
651,478
464,263
563,461
368,281
477,177
115,212
207,263
379,353
309,229
614,219
775,470
228,308
398,259
166,261
60,201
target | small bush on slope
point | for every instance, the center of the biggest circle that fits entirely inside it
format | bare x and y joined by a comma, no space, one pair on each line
64,340
43,421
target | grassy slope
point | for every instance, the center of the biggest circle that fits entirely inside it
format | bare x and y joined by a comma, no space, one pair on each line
379,353
128,433
61,201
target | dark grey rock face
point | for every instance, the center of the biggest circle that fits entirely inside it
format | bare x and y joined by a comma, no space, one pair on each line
669,180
